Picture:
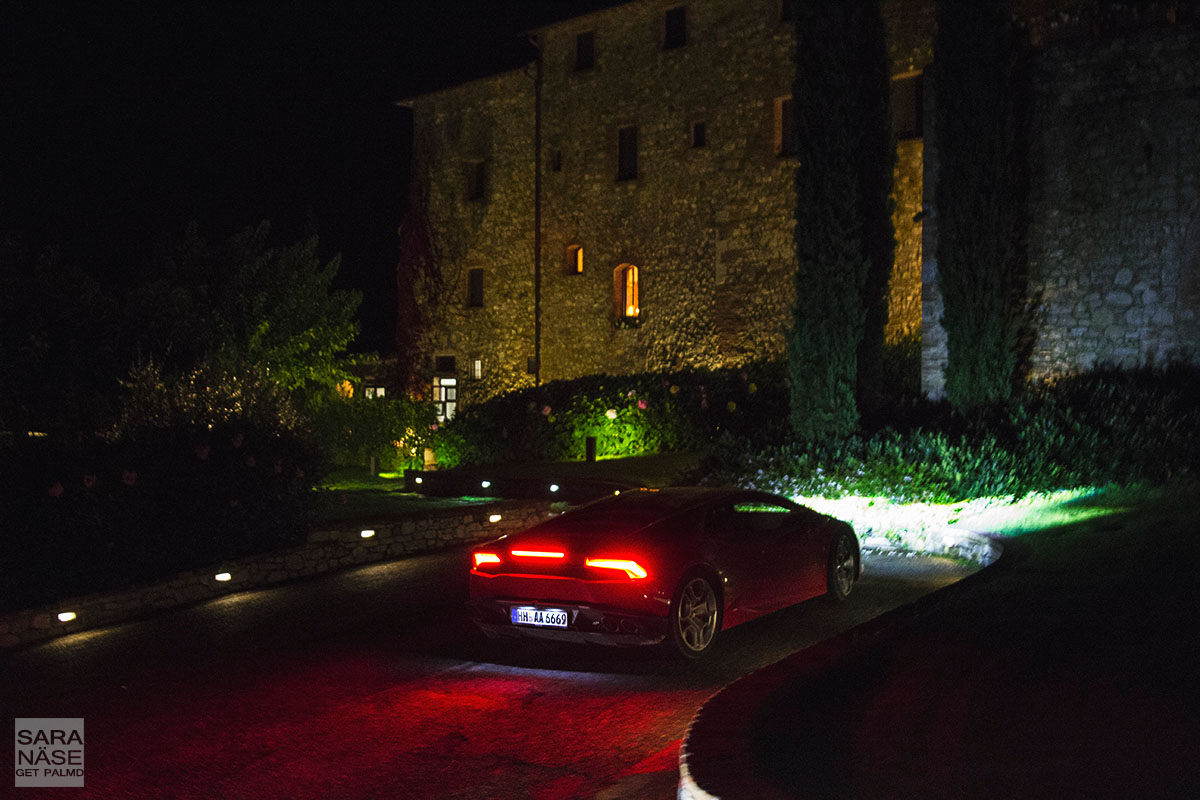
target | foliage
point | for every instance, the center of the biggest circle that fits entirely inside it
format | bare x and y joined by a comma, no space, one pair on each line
1100,428
205,396
91,515
59,345
244,302
844,239
977,197
393,431
628,415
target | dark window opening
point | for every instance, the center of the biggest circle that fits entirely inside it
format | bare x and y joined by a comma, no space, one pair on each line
556,161
585,51
785,10
699,134
908,107
444,364
785,128
627,153
475,288
675,32
476,180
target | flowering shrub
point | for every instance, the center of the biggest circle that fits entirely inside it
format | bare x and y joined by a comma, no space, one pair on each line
627,415
87,516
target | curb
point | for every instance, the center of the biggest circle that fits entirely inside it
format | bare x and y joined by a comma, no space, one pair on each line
329,548
716,758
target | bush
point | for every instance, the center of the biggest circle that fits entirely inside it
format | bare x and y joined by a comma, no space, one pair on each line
90,515
393,431
1100,428
628,415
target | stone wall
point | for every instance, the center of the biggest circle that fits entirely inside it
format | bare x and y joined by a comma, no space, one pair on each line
1114,225
709,227
1115,228
327,549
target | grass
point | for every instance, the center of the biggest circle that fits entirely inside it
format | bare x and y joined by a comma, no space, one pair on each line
354,493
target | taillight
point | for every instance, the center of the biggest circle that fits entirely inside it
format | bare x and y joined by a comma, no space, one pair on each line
538,554
486,558
631,568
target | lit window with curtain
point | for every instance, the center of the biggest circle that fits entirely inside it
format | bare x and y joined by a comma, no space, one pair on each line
628,302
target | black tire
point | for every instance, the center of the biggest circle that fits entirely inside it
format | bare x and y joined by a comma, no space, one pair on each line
695,619
843,567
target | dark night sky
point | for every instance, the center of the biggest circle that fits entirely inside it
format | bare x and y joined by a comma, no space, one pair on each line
122,121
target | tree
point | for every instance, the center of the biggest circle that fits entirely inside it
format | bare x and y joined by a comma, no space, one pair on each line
246,303
844,239
977,198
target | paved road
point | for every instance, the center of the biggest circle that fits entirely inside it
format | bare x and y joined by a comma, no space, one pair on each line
373,684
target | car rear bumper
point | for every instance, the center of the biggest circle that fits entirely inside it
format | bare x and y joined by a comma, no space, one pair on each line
586,624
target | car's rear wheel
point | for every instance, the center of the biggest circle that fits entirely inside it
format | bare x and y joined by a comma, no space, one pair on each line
842,571
695,616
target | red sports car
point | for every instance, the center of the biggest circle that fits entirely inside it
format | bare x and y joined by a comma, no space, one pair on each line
648,566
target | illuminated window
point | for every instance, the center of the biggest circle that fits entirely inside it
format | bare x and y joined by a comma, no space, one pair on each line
675,28
699,134
445,398
585,51
626,285
907,106
476,371
785,127
475,288
574,261
627,153
476,180
375,391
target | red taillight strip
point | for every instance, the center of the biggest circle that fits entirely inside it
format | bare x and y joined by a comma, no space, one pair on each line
538,554
486,558
631,568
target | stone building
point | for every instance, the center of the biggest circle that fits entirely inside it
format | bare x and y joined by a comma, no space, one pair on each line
625,203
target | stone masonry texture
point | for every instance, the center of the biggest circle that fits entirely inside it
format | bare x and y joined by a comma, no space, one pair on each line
1114,220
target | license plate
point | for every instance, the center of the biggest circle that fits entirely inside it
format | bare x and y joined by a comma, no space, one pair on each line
541,617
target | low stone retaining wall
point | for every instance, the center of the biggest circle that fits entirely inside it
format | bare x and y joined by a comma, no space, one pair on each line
328,549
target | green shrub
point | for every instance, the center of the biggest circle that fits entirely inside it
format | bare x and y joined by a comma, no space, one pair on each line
394,431
628,415
1100,428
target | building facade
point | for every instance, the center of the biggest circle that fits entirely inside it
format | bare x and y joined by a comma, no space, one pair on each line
626,202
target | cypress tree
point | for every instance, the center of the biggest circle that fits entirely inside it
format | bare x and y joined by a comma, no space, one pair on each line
977,198
843,234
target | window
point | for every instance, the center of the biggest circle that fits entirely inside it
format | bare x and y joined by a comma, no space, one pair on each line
585,51
785,10
626,285
475,288
908,109
785,128
675,29
574,260
699,134
476,371
627,153
445,398
556,161
375,391
476,180
444,364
